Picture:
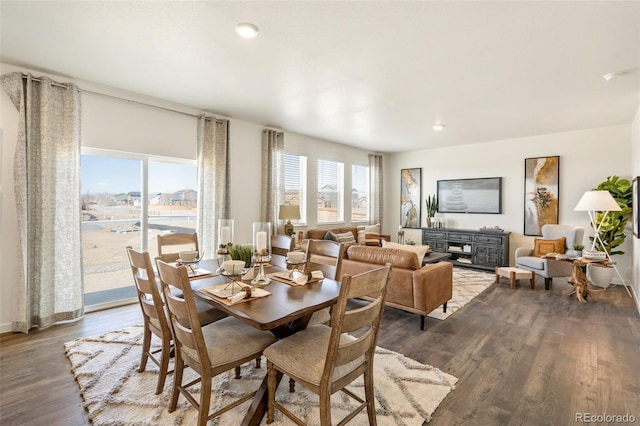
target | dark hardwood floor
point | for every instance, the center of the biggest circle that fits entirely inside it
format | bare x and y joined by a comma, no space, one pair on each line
522,356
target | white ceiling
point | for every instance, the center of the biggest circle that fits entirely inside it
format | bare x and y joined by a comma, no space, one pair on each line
375,75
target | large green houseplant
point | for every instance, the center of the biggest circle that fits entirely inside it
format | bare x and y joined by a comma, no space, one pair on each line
612,225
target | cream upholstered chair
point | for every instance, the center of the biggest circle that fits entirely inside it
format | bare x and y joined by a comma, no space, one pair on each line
170,245
550,268
326,359
155,319
280,246
209,350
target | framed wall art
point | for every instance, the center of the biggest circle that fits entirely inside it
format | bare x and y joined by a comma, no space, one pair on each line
482,195
410,196
541,193
635,206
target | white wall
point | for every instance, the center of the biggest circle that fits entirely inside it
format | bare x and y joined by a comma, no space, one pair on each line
587,157
129,126
635,171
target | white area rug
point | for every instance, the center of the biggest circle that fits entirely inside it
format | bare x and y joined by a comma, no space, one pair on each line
467,284
105,366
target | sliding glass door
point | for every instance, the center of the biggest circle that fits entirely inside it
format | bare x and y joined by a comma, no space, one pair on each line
127,199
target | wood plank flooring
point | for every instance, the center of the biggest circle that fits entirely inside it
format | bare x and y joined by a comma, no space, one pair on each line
522,356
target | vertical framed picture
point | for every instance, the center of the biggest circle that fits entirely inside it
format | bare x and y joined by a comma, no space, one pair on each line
410,196
635,207
541,193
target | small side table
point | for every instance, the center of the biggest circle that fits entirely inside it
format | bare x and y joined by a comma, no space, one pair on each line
515,274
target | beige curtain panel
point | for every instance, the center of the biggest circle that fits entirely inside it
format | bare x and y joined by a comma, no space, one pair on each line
213,180
376,188
272,176
49,288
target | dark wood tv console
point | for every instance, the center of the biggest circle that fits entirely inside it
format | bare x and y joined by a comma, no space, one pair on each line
473,249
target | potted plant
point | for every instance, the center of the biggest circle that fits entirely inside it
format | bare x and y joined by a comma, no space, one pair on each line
577,250
432,208
241,252
612,227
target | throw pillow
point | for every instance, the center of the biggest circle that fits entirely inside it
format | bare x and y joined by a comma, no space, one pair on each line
345,238
542,247
330,236
420,251
372,230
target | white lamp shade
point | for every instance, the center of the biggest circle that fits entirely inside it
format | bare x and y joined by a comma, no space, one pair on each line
601,201
289,212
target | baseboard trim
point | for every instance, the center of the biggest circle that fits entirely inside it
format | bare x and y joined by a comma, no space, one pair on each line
5,328
109,305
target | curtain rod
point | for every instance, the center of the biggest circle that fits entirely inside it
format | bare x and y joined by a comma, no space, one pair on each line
53,83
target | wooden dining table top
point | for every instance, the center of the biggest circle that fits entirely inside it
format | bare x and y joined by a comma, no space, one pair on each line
275,312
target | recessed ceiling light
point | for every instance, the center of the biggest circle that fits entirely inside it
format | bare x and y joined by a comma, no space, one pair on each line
612,75
247,30
438,127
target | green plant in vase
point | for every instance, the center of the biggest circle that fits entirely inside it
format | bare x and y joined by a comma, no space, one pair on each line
432,208
241,252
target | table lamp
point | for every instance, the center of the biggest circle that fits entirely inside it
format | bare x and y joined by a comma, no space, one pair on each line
288,212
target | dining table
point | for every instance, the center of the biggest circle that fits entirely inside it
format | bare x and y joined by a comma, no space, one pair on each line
285,311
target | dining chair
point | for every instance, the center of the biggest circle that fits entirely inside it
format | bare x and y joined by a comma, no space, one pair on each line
326,256
153,313
170,245
325,359
280,246
210,350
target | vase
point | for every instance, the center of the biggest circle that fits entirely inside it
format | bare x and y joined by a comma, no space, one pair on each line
599,275
429,222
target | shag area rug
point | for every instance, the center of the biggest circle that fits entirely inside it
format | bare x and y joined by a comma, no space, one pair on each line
105,366
467,284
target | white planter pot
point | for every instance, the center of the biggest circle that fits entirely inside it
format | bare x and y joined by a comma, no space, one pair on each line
599,275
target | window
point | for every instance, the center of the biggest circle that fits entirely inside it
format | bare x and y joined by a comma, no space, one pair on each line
295,183
359,193
330,202
127,200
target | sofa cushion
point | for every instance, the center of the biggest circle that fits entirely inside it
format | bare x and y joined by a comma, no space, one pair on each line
531,262
381,256
542,247
345,238
418,250
369,234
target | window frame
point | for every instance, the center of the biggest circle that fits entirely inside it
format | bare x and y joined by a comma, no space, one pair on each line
368,183
340,198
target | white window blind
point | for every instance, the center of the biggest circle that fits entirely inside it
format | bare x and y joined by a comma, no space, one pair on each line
330,202
295,183
359,193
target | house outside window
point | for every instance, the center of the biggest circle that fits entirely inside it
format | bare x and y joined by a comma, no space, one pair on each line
330,197
359,193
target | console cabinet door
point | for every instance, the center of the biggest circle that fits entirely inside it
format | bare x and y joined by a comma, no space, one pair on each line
487,255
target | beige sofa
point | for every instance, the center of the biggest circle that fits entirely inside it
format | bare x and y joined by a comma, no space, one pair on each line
412,288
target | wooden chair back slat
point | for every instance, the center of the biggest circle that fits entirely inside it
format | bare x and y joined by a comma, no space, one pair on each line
280,246
366,318
183,313
170,245
326,249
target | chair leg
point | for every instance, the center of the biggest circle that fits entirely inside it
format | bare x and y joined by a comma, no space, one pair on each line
292,385
325,409
177,382
238,372
205,400
258,362
547,283
421,322
164,364
444,307
146,345
369,395
271,389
